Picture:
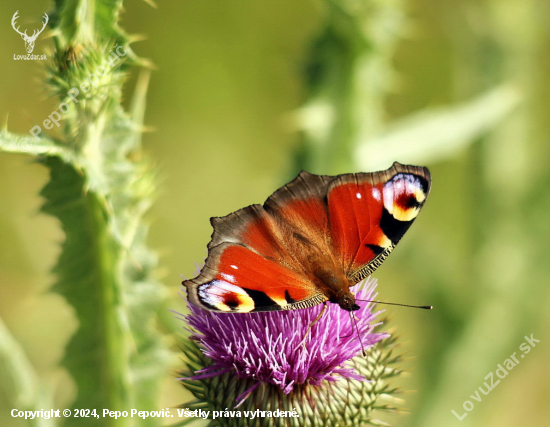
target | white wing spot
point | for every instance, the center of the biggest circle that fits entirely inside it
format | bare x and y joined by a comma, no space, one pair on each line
402,185
376,193
234,267
216,292
228,277
358,195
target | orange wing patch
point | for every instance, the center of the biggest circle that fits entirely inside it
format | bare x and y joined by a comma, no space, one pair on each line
355,213
245,281
370,212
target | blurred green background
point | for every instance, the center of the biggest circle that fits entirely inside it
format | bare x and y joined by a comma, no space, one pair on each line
234,110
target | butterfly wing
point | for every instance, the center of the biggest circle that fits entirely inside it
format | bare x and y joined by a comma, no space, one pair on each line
246,269
271,257
301,207
357,218
370,212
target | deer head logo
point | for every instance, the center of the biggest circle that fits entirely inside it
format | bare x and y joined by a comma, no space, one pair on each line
29,40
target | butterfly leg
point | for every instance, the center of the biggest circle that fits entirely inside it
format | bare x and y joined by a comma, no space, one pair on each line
352,318
313,323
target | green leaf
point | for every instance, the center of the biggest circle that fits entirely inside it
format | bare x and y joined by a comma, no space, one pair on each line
26,144
436,134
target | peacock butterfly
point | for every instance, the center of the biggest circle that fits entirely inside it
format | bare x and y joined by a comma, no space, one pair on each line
310,241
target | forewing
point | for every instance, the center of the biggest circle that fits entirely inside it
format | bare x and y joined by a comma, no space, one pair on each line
237,279
370,212
252,227
249,267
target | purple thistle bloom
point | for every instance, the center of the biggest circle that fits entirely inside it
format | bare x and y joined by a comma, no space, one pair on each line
270,347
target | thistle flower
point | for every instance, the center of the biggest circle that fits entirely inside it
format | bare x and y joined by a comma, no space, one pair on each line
270,361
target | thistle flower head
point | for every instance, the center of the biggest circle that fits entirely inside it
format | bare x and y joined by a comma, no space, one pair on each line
283,356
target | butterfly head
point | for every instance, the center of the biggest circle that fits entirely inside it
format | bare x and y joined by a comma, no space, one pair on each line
347,302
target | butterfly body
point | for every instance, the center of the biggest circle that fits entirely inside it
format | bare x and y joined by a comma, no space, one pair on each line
310,241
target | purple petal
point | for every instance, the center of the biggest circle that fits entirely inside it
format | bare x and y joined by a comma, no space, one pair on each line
272,347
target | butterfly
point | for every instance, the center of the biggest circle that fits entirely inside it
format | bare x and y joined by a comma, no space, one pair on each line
309,242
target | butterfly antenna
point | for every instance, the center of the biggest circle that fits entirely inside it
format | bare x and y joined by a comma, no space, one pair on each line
425,307
353,320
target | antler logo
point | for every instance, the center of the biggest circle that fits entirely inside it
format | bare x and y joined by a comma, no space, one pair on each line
29,40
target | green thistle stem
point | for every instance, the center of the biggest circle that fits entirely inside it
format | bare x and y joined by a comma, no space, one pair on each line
99,189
